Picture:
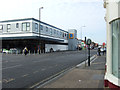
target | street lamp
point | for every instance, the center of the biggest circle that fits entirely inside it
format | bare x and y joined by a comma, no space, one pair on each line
40,19
39,27
81,31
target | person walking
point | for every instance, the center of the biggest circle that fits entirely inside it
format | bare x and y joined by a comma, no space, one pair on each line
25,51
99,51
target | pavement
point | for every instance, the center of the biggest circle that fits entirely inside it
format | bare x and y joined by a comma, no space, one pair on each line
83,76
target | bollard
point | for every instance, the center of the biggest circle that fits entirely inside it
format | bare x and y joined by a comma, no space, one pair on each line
16,52
43,51
29,52
22,53
40,51
34,52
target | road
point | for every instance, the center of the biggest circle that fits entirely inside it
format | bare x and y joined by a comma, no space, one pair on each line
19,71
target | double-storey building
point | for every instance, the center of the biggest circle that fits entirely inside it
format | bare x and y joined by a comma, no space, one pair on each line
31,33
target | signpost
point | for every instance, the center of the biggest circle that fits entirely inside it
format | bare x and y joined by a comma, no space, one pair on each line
85,51
88,43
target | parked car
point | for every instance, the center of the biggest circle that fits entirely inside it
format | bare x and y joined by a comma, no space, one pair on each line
5,51
15,50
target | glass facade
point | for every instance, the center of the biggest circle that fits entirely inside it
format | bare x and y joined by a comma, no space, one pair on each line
115,26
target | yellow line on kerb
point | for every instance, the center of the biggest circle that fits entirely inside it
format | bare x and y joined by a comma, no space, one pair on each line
48,78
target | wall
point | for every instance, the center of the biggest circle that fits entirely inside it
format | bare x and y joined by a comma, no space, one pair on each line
112,12
72,43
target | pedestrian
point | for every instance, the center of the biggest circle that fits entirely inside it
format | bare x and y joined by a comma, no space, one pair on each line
102,50
99,51
105,50
25,51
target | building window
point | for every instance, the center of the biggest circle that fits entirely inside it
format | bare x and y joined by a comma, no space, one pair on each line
41,27
115,26
26,26
57,32
67,35
63,35
17,25
60,34
50,31
46,29
8,27
36,27
54,31
1,27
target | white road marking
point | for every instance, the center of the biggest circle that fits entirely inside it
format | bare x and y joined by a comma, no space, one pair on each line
25,75
43,69
9,80
36,72
11,67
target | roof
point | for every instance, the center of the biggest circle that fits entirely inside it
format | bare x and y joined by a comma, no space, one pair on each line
14,20
31,37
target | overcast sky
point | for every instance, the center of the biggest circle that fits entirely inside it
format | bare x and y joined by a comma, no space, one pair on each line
64,14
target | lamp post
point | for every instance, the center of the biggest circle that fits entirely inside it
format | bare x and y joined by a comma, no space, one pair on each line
39,28
40,19
81,31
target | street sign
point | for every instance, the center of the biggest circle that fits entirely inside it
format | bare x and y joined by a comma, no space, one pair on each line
71,35
89,41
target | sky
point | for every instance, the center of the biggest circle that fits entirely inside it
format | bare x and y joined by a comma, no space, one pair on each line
64,14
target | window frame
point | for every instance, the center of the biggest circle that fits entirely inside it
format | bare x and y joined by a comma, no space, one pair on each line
27,26
8,28
17,25
36,27
41,27
115,27
46,29
54,32
51,31
1,27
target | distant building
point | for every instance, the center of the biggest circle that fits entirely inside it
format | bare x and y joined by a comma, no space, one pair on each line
31,33
36,35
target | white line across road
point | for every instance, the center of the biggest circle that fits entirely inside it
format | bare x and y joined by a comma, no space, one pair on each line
11,67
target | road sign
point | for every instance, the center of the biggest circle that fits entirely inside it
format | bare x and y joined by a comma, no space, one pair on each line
89,41
71,35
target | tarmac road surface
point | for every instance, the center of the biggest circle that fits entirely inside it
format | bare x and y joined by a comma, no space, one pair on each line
19,71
